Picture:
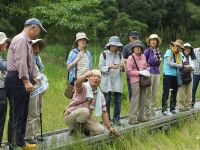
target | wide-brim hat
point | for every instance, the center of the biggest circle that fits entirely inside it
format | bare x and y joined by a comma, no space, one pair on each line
81,35
40,42
192,54
35,21
115,41
137,43
153,36
188,45
3,38
178,43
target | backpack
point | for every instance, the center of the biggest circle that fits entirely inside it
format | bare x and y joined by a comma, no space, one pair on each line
104,55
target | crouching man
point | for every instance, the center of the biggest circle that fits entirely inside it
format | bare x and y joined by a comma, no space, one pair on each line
88,97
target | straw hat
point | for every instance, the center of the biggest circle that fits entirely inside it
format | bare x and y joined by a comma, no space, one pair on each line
178,43
153,36
81,35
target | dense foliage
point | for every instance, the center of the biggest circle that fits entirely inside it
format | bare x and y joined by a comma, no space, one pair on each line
103,18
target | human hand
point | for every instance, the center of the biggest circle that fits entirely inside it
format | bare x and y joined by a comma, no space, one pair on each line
88,73
28,85
114,131
80,54
113,66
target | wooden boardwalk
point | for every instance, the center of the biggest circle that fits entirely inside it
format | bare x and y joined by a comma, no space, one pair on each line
61,138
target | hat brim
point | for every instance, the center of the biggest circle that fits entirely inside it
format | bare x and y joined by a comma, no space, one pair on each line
118,44
138,45
134,36
43,29
181,46
148,40
40,42
81,38
4,40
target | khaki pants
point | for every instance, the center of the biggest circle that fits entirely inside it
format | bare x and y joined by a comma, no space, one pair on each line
137,102
33,120
185,96
152,92
81,116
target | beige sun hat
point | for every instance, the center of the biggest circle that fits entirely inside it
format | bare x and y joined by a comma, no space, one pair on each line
179,43
3,38
153,36
81,35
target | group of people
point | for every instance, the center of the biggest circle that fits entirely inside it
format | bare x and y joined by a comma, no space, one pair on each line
21,74
95,88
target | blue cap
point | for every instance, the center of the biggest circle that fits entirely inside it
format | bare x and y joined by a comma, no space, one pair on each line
134,34
36,22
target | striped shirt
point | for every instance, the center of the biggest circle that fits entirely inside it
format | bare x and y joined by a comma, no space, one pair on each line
82,65
21,58
197,61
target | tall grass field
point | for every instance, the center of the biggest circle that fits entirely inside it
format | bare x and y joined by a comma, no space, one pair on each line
184,136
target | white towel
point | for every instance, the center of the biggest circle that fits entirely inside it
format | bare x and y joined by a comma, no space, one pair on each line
90,96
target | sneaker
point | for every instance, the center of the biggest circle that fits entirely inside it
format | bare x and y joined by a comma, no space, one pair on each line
33,140
165,113
133,122
169,113
29,147
117,123
173,111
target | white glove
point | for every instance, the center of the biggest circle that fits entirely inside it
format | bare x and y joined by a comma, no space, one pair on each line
144,73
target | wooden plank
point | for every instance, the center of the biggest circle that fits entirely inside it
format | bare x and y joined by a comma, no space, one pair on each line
60,138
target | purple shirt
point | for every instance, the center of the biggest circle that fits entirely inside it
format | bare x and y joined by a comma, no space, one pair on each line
154,58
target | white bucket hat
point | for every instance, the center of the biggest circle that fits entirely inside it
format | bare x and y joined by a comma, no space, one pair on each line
81,35
153,36
40,42
3,38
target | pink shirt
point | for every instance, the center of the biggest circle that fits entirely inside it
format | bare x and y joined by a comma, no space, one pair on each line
79,100
20,57
131,67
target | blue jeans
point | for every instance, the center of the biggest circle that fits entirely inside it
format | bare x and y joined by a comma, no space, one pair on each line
3,111
117,109
196,79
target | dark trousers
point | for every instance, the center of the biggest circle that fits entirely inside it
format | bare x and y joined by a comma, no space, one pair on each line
169,82
117,109
3,111
129,87
18,101
196,79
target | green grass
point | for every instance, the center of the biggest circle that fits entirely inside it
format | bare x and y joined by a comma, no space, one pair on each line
55,102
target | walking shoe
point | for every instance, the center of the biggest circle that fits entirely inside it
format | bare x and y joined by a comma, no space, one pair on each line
29,147
117,123
173,111
32,141
133,122
165,113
